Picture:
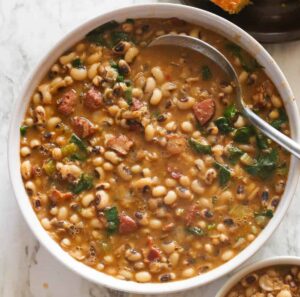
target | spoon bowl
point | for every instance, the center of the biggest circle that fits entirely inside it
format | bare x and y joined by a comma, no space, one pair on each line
217,57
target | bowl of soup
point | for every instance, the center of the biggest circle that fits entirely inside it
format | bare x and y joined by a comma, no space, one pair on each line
136,169
278,276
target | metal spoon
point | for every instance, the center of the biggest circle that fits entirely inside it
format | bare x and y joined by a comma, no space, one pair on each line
216,56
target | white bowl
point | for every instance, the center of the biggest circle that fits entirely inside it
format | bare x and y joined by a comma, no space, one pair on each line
192,15
284,260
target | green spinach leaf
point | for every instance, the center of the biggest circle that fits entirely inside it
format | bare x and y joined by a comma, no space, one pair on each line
234,154
206,73
224,125
198,147
112,217
85,183
195,231
242,135
224,174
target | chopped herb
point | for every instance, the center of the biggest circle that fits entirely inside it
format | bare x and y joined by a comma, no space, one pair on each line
230,112
211,227
77,63
265,213
120,78
79,142
128,82
265,165
69,149
282,169
117,36
224,125
206,73
282,119
130,21
242,135
85,183
104,246
96,35
49,167
262,141
128,95
112,217
113,64
224,174
234,154
23,130
195,231
198,147
201,129
249,64
214,199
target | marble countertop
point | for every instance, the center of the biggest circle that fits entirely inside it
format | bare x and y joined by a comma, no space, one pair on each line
27,29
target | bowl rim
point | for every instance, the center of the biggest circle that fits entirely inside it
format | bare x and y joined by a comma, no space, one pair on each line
272,261
154,10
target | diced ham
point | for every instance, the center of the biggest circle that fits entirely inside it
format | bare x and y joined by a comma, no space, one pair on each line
176,144
154,254
191,214
66,104
83,127
136,104
93,99
57,196
204,111
127,224
121,144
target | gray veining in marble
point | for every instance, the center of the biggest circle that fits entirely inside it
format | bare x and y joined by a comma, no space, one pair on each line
27,29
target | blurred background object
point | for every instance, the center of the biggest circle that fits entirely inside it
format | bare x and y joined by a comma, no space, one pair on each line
269,21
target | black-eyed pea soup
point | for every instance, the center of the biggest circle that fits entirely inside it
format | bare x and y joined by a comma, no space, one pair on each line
274,281
137,161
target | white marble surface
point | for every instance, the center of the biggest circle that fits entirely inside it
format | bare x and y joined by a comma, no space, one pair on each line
27,29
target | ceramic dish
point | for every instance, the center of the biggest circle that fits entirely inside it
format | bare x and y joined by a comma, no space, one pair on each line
284,260
191,15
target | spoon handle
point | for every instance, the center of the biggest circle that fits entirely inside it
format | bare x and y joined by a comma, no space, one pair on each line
286,142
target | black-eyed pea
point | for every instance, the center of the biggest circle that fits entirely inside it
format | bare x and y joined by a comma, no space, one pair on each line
126,274
274,114
25,151
209,248
188,272
143,276
159,191
74,218
149,132
210,176
30,188
276,101
243,76
37,98
184,181
93,58
88,212
279,186
40,114
29,122
227,255
61,140
167,88
197,187
199,163
87,199
195,32
64,60
156,97
184,193
187,127
98,161
196,134
284,293
140,80
108,259
46,223
137,93
112,157
171,126
65,242
133,255
79,74
62,213
170,182
107,166
158,74
168,247
93,70
240,122
170,198
131,54
124,172
155,224
26,169
149,86
136,169
56,153
185,103
103,199
142,182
